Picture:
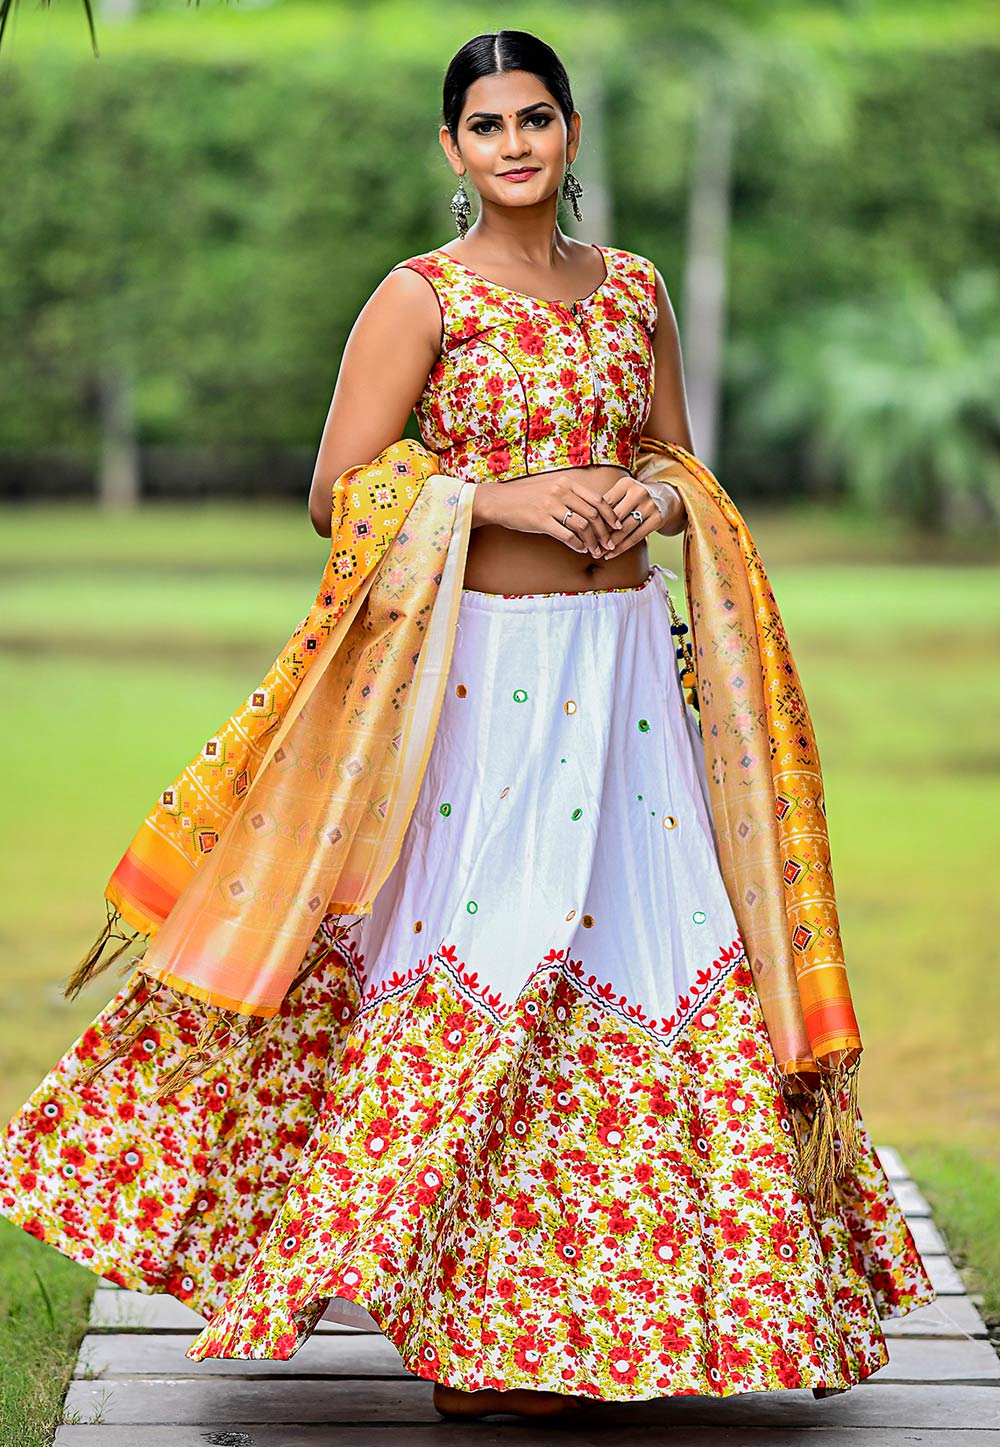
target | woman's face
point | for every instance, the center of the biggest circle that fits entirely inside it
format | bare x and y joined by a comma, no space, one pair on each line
512,122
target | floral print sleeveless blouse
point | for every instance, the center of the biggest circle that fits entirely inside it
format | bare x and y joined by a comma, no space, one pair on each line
524,385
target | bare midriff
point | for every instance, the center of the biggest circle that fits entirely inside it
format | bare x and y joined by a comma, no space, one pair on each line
501,560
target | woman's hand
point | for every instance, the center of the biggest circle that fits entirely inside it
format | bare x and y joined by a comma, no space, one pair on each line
626,495
570,505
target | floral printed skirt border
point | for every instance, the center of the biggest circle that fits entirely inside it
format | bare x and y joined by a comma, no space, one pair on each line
529,1158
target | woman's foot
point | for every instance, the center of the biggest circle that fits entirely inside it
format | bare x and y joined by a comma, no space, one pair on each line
522,1401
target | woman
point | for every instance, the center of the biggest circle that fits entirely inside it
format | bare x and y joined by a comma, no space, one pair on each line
524,1118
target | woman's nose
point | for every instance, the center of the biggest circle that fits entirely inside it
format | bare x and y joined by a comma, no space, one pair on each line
514,145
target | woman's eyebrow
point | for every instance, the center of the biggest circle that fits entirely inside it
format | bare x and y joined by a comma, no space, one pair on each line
497,116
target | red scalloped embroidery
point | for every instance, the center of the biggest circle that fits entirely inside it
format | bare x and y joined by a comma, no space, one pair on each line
602,992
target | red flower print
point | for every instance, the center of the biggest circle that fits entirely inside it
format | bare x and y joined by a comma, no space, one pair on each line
128,1166
149,1210
734,1229
456,1031
429,1183
619,1221
661,1101
51,1113
378,1136
87,1048
524,1217
568,1245
248,1211
530,338
146,1045
610,1129
541,424
290,1239
498,460
527,1353
785,1370
665,1245
623,1366
783,1241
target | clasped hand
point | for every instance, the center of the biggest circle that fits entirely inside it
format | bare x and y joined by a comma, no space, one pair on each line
599,517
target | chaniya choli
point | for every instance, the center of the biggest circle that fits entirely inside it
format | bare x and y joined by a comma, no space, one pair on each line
477,953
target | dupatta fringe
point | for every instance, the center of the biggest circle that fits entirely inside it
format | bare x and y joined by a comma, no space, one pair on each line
828,1145
92,963
224,1033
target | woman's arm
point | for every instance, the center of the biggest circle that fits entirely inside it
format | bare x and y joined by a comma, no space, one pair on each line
391,349
668,418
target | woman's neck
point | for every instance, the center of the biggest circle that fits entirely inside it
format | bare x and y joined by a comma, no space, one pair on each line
529,235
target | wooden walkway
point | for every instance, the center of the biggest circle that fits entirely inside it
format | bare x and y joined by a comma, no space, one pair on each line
134,1387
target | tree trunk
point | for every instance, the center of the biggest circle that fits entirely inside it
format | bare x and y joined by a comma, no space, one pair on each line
703,314
119,483
591,164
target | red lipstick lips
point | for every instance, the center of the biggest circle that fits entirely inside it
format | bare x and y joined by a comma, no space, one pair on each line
521,175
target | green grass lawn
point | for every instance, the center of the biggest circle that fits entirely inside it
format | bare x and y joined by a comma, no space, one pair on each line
124,644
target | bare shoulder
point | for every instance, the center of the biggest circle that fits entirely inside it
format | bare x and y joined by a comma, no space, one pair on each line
405,294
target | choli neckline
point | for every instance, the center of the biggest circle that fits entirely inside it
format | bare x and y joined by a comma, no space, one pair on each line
526,295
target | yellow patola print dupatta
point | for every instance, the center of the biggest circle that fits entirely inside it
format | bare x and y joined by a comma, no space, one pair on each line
295,810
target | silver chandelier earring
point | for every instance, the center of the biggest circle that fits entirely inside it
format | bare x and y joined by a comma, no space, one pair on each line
461,208
572,190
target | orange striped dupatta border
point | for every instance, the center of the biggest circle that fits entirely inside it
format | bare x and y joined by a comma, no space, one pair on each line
766,789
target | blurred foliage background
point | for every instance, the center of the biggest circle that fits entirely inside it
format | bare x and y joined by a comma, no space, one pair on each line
189,226
192,222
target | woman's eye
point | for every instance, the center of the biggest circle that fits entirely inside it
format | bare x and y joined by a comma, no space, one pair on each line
481,128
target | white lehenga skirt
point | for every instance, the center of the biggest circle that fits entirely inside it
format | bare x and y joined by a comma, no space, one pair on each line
524,1117
563,815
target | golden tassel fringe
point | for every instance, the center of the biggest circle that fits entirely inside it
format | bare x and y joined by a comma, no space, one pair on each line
223,1034
92,965
821,1164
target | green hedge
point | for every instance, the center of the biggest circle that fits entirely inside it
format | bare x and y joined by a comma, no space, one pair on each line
211,225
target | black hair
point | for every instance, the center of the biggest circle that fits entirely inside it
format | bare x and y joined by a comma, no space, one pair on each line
491,55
